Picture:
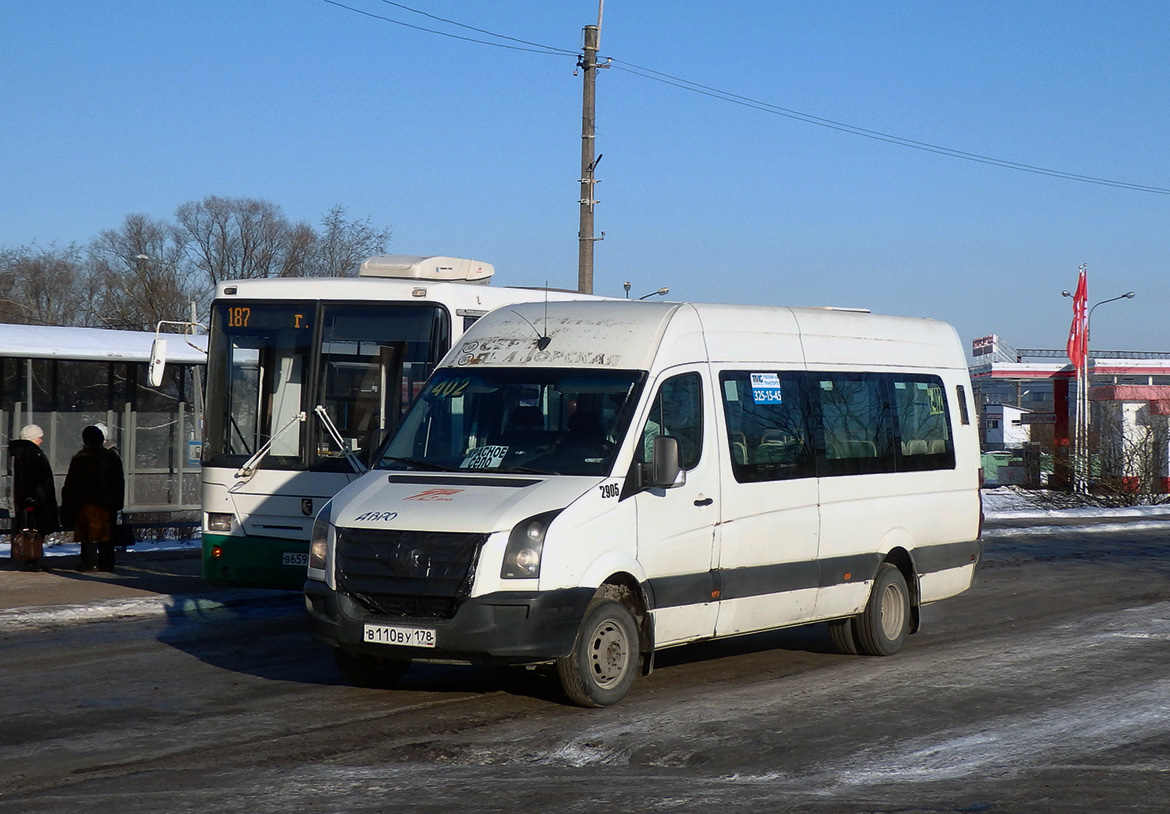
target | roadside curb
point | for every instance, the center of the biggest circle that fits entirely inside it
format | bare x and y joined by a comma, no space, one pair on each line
1031,519
165,584
174,608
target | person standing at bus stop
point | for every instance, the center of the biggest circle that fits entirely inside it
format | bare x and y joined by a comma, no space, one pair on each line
34,494
91,498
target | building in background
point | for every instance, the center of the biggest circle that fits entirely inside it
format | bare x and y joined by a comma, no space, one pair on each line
1129,397
1002,426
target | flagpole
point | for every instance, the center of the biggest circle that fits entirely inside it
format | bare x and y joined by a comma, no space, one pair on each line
1078,354
1082,479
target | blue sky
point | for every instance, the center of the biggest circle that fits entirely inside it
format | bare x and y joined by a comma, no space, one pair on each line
123,107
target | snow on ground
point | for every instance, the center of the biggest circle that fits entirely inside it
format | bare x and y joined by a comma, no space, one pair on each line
55,548
1012,502
1012,512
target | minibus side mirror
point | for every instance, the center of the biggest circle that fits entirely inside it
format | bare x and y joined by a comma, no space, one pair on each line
665,472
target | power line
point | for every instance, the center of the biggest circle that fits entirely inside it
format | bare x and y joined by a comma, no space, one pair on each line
538,49
807,118
749,102
548,48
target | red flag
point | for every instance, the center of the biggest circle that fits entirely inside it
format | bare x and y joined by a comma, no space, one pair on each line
1078,339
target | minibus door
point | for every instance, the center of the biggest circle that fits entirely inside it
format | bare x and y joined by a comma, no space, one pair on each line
678,525
769,515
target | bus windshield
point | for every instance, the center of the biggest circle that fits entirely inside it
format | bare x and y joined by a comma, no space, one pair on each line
258,360
269,362
536,420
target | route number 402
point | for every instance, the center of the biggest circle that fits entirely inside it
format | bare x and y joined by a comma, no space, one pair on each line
609,490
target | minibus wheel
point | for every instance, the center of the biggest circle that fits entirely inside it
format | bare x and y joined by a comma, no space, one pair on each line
841,635
368,671
881,628
603,663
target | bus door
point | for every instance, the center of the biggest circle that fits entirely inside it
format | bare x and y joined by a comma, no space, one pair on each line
678,528
771,519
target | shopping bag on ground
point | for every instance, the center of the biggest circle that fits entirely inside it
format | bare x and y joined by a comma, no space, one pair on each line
28,545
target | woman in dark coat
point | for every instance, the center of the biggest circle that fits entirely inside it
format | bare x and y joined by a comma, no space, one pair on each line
91,499
34,494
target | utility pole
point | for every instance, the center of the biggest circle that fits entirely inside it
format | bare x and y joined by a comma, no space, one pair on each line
588,63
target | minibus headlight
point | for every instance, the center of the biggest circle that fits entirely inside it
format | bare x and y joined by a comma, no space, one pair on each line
319,541
219,521
525,546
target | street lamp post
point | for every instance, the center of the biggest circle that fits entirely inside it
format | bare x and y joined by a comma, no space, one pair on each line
1081,432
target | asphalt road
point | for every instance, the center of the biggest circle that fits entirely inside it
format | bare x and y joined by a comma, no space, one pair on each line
1044,688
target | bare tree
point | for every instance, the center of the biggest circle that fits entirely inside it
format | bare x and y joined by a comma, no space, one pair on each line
44,286
150,270
343,244
234,238
143,275
299,251
1130,453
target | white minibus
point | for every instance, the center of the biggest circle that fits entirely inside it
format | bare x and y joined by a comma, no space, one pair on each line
582,484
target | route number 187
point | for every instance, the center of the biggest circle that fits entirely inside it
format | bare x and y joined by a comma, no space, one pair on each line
238,316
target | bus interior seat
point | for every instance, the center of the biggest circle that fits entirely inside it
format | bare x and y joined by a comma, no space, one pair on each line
777,446
915,446
850,448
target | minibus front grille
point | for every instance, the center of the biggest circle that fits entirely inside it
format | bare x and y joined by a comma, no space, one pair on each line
415,574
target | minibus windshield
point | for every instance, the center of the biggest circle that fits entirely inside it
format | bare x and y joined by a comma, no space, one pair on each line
534,420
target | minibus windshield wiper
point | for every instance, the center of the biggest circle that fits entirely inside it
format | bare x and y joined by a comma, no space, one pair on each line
420,464
525,470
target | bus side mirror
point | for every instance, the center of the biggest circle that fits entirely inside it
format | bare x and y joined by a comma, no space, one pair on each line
158,361
665,472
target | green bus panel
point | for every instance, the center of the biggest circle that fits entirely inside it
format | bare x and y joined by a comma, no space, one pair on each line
260,562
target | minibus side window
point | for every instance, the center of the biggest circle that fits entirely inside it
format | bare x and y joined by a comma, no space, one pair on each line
961,396
855,423
677,411
767,425
924,432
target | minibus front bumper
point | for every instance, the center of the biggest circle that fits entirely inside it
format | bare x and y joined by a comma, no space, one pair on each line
511,627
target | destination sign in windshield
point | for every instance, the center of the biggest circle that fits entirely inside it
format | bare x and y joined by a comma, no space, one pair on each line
247,318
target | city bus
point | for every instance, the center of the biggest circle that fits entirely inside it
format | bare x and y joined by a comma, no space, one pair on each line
305,378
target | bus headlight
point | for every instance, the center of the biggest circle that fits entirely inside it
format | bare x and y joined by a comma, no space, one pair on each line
319,540
219,521
525,546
